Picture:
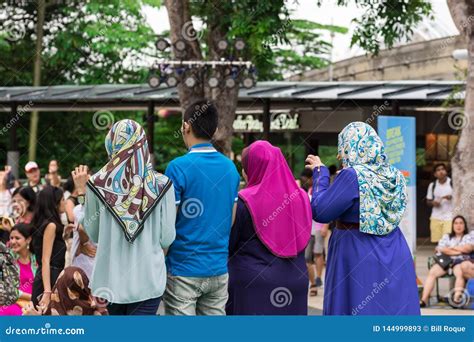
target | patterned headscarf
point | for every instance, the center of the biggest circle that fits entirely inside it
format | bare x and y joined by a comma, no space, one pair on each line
382,187
127,184
71,295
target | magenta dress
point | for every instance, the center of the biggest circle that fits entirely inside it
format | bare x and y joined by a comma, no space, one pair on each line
26,286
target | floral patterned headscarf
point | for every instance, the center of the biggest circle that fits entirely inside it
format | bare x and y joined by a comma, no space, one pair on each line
127,184
382,187
72,297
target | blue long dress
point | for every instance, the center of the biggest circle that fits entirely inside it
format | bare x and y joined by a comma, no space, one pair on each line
365,274
261,283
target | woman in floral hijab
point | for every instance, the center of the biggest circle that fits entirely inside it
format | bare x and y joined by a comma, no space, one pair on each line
370,269
71,296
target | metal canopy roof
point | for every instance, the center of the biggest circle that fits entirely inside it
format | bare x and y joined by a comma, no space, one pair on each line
132,96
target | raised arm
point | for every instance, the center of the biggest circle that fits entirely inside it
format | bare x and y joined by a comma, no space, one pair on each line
331,201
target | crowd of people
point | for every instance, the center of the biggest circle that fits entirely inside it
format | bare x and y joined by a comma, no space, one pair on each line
125,238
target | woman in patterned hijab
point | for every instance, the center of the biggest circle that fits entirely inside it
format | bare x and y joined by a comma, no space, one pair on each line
382,187
127,184
367,256
71,296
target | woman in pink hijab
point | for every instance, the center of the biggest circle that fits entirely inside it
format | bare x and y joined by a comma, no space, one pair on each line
267,270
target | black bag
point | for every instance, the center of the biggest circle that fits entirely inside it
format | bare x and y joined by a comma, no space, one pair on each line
443,260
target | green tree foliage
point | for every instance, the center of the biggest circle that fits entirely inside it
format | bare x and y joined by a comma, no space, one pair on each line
386,22
86,42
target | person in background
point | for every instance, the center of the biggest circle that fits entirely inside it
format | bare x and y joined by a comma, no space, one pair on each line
206,184
458,245
71,200
12,182
271,230
439,196
33,176
10,279
5,195
129,212
71,297
23,206
83,249
314,252
368,254
332,172
20,240
48,244
53,177
467,267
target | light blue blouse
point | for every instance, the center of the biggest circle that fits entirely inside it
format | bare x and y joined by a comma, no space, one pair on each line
129,272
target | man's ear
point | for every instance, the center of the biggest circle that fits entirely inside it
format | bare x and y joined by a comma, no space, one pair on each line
186,127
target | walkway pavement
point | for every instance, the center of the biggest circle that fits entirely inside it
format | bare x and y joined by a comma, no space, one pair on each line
422,254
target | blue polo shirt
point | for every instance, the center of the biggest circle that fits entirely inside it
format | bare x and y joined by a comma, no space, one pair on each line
206,184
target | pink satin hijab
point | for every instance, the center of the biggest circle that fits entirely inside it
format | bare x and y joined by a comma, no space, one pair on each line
280,209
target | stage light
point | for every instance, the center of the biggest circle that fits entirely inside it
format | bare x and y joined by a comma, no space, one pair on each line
162,44
239,44
171,81
248,82
154,81
190,81
213,82
180,45
230,82
222,44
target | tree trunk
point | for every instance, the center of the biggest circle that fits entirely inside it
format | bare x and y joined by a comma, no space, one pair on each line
225,99
36,79
462,12
180,22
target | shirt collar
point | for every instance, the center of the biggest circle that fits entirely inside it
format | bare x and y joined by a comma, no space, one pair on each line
203,147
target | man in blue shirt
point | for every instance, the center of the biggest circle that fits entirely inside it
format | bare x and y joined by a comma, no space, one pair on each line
206,184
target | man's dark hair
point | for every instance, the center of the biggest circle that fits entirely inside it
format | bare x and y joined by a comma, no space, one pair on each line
435,168
203,117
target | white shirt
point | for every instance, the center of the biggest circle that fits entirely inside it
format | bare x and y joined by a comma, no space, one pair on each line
445,211
5,203
447,241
